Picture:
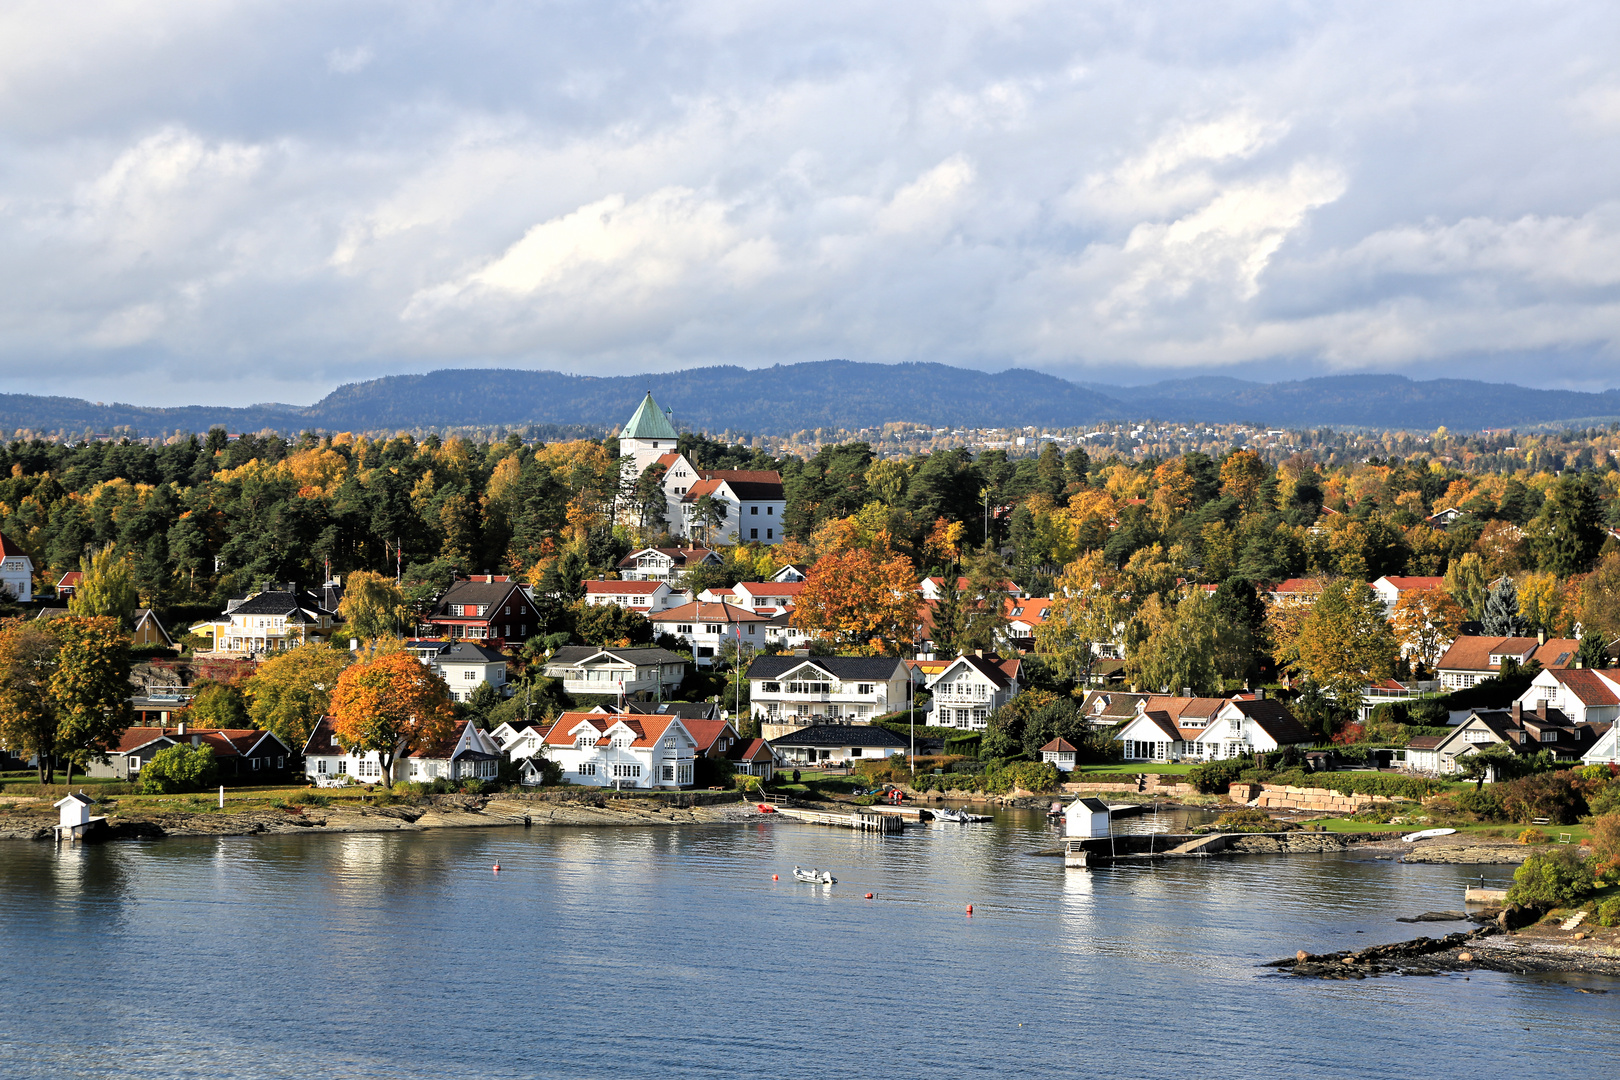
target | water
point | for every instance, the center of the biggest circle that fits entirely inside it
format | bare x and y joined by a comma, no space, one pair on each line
637,952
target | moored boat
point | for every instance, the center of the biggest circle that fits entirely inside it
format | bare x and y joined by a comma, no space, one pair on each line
814,876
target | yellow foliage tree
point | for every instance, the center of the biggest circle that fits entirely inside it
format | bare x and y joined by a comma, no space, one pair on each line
1426,622
391,704
860,599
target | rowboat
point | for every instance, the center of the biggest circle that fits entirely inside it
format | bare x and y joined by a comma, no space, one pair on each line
1425,834
815,877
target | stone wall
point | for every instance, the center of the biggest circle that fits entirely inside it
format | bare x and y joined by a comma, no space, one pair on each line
1148,784
1318,800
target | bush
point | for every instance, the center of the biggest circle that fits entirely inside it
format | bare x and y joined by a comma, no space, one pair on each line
180,768
307,798
1553,796
472,786
410,789
1486,802
1532,836
1608,912
1550,879
1214,777
1249,819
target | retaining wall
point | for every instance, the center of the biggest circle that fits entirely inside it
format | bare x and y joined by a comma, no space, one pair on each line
1321,800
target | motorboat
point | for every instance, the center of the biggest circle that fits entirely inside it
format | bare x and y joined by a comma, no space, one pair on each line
1426,834
945,813
814,877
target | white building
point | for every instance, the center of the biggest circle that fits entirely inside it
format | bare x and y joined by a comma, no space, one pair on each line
463,665
818,688
281,617
626,673
648,436
645,597
767,597
1061,753
1584,695
837,744
705,628
620,750
16,572
1086,819
1209,729
1606,751
968,689
665,564
467,753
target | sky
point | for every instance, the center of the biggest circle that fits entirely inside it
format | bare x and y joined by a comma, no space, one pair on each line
258,201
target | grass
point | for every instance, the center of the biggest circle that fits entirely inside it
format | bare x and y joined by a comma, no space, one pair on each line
1502,832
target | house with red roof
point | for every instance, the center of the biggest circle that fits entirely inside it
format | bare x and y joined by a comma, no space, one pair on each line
1390,587
705,628
1025,614
767,597
620,750
645,597
1584,695
1472,658
488,609
68,584
971,687
243,754
665,564
1209,729
753,499
16,571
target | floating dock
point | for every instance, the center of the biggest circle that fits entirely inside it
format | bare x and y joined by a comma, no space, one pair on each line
863,819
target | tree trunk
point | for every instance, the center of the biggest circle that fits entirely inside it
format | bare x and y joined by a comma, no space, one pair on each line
47,768
69,780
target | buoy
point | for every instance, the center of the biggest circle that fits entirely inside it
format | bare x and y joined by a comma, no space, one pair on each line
970,909
869,896
497,868
776,877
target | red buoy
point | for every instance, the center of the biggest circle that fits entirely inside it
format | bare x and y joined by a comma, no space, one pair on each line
497,868
869,896
970,909
776,877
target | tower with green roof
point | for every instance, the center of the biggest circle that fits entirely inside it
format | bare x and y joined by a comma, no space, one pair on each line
647,436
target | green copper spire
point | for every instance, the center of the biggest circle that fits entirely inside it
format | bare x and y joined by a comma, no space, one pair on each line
649,422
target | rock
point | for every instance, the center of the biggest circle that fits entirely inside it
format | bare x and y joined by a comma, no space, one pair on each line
1466,957
1302,956
1437,916
1581,936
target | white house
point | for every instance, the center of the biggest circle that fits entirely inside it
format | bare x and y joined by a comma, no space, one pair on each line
627,673
706,627
281,617
1421,756
781,632
933,588
817,688
463,665
791,572
665,564
643,596
467,753
1025,615
1086,819
1390,588
753,499
1606,751
1472,659
1584,695
968,689
767,597
837,744
1209,729
73,817
16,571
624,751
1060,752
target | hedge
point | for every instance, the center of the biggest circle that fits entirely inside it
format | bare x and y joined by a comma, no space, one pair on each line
1368,783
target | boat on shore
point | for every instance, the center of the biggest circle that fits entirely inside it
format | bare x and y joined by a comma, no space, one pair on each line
1426,834
814,876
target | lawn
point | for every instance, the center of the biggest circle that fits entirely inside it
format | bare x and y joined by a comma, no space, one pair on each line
1495,831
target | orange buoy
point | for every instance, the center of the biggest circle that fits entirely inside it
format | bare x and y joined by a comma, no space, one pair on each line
776,877
869,896
970,909
497,868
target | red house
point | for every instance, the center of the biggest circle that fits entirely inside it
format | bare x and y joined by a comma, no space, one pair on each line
490,609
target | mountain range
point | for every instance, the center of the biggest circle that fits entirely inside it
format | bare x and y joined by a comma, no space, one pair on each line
790,398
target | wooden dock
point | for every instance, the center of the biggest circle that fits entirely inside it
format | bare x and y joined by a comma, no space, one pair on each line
863,819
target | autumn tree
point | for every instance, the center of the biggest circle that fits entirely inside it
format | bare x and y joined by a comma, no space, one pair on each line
1179,645
291,691
1242,474
391,704
107,588
28,722
1089,609
1426,621
1468,583
372,606
64,690
861,600
1344,641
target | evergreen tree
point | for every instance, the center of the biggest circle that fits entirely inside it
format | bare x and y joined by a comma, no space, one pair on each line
1500,616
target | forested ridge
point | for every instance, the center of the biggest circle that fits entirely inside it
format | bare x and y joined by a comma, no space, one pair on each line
832,394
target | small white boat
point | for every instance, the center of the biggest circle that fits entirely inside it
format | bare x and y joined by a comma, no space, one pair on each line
945,813
1425,834
814,877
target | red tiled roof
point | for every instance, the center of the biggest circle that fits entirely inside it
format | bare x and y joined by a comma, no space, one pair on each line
698,611
1587,685
71,579
1058,746
8,548
1473,653
1404,584
1296,585
705,732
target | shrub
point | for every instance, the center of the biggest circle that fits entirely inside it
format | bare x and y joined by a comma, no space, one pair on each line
472,786
1486,802
1604,799
1606,845
1532,836
411,789
1550,879
1213,778
180,768
1249,819
1608,912
307,798
1553,796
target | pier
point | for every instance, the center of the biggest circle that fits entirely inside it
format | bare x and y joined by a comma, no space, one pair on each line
863,819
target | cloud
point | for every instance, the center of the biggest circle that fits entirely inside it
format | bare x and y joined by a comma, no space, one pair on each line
260,200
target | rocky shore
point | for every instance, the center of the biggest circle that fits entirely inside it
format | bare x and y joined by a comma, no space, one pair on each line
436,812
1485,949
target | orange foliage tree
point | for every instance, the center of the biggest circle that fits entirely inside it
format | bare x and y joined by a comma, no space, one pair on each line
861,600
391,704
1426,621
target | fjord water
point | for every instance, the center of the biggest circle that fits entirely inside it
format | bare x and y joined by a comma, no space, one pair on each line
645,952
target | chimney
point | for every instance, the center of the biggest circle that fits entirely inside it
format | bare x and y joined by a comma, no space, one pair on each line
1541,709
1517,712
196,740
1260,694
1541,635
1186,691
181,729
979,653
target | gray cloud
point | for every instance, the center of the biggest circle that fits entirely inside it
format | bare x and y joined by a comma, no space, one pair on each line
257,201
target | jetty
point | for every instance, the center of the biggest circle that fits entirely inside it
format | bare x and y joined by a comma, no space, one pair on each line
1131,848
863,819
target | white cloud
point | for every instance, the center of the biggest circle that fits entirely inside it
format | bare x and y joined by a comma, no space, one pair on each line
1098,189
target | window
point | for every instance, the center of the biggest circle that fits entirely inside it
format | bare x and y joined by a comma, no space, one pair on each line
587,768
1476,736
771,688
863,688
753,534
320,766
854,751
770,510
711,628
770,534
683,774
626,772
134,764
343,765
470,676
683,628
753,511
508,610
255,764
669,773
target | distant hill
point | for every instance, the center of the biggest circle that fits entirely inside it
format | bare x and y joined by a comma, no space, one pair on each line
840,393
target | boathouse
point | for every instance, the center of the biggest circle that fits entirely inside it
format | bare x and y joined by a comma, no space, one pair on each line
1086,819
